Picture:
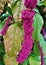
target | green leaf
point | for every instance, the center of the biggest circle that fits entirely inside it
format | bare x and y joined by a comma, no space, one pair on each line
38,23
40,3
8,9
35,56
1,62
26,62
15,37
33,61
45,60
36,49
5,15
44,3
1,48
36,10
14,3
9,61
42,43
17,9
2,24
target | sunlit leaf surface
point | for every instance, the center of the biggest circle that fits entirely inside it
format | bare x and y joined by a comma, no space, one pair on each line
38,23
13,40
9,61
17,7
33,61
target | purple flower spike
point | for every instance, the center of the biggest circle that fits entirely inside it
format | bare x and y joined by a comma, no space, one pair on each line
6,25
41,53
27,17
30,3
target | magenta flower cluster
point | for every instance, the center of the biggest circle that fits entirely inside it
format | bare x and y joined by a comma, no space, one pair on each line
6,25
41,53
27,17
30,3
